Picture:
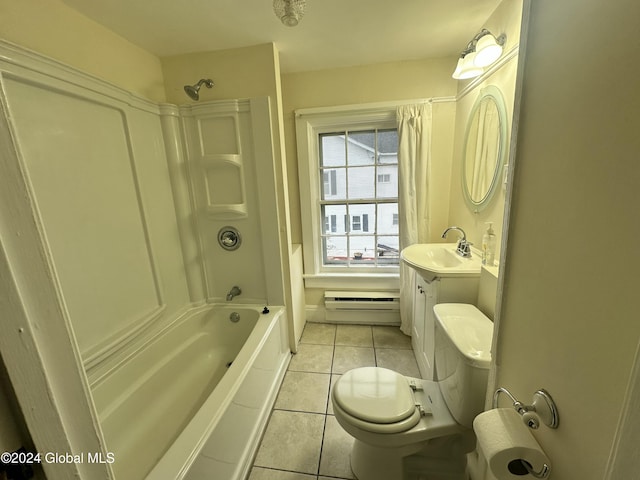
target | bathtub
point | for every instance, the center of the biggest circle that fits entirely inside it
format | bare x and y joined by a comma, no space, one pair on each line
196,396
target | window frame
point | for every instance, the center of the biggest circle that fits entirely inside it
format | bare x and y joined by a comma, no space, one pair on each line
310,124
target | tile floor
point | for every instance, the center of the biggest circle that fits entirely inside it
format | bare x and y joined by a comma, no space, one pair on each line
303,440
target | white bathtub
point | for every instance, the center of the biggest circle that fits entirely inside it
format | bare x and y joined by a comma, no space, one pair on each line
195,396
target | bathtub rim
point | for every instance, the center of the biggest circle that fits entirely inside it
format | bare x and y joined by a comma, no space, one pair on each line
100,372
184,451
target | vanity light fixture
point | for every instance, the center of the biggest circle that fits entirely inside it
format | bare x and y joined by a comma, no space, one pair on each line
481,51
466,67
290,12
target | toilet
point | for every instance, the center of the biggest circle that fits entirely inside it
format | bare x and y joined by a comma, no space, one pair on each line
413,428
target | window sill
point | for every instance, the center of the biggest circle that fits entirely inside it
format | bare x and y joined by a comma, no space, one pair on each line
346,281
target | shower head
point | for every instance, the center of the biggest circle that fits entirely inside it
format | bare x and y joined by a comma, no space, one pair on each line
192,90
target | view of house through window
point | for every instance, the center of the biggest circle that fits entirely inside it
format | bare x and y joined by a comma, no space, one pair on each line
359,197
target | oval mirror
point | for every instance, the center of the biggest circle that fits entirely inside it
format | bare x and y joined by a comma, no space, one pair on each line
485,147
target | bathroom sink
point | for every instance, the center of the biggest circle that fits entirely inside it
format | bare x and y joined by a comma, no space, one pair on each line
438,260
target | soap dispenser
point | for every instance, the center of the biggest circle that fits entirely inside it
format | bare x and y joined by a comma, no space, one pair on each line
489,246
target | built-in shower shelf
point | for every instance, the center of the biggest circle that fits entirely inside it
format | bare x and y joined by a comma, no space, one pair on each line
224,184
227,212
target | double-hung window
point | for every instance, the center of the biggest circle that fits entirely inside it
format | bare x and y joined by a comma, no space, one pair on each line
355,159
348,172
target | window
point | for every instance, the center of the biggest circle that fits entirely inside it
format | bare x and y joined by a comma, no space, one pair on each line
348,172
331,224
350,161
356,225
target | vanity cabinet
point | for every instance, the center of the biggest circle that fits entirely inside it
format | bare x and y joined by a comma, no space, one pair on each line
426,296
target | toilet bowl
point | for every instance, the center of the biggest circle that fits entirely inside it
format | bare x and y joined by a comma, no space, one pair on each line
393,417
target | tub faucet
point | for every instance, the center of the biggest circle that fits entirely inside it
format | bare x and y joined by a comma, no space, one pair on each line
464,247
234,292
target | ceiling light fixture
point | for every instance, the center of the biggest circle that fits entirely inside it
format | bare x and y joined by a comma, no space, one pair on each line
290,12
483,50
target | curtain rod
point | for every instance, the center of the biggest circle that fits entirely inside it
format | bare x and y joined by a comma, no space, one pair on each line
391,105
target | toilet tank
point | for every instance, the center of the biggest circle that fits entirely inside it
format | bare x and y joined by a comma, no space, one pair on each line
462,358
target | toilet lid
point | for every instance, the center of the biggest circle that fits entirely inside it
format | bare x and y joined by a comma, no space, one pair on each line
375,395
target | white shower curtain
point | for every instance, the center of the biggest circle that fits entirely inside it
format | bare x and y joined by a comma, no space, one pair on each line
414,152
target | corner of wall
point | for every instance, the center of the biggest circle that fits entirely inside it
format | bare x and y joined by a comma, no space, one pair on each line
56,30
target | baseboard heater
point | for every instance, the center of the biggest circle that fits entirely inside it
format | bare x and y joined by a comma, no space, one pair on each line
362,307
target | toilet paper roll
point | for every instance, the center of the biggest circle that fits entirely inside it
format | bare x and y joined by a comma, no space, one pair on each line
504,440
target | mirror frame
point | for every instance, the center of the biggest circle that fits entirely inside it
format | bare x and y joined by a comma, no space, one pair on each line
492,92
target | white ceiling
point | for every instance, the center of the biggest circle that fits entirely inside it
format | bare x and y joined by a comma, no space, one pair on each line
333,33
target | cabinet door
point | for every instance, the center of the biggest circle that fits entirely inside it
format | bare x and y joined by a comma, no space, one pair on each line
419,316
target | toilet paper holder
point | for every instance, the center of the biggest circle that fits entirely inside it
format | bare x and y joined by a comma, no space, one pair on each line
542,408
522,468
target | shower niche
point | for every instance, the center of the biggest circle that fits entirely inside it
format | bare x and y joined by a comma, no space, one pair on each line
216,162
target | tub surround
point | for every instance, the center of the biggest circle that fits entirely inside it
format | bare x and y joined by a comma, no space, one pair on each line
95,160
86,185
231,177
98,199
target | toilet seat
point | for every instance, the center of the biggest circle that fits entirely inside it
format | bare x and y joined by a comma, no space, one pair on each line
377,400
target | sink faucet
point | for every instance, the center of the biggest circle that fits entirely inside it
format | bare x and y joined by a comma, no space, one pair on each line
234,292
463,249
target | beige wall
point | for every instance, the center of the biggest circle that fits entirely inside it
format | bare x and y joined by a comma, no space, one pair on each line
237,73
53,29
364,84
505,19
474,223
569,318
370,84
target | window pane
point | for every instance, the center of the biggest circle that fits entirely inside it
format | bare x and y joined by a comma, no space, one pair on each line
387,218
362,250
334,184
361,148
388,249
333,219
334,250
332,150
366,214
357,171
388,146
388,187
361,182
